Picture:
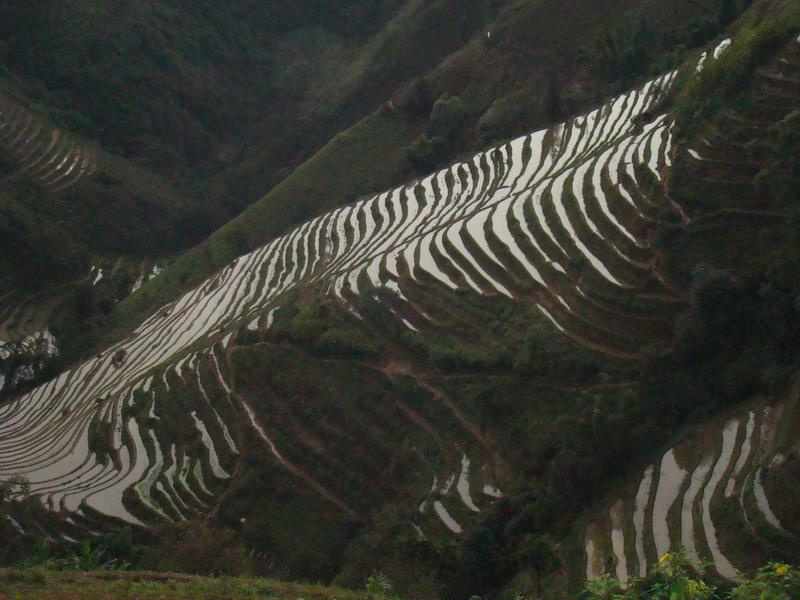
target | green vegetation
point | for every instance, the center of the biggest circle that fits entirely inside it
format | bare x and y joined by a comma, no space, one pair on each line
123,211
324,71
159,92
41,584
676,577
368,153
448,116
188,102
636,45
763,31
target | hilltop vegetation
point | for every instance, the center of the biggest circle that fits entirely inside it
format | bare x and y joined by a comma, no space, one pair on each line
166,84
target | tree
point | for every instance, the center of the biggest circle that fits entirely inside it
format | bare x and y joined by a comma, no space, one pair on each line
536,553
727,11
552,102
17,486
447,117
426,152
416,98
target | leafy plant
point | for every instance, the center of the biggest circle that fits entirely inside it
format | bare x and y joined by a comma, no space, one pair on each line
87,557
774,581
378,584
677,577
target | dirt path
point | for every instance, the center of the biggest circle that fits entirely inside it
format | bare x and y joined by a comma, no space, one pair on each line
297,471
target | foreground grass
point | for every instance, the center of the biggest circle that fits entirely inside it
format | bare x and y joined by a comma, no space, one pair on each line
39,584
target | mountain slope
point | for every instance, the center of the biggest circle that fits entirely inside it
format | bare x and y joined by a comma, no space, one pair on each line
312,90
429,232
443,377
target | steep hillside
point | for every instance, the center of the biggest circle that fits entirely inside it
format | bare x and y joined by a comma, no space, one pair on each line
487,76
223,100
707,492
58,185
167,82
192,96
488,90
80,229
562,355
256,87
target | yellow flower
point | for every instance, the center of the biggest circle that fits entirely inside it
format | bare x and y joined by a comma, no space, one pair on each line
665,558
782,569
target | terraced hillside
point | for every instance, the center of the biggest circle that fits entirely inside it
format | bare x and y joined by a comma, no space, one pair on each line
79,227
523,220
554,230
26,343
49,156
222,150
707,492
714,477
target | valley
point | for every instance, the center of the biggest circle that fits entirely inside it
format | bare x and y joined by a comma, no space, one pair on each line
569,354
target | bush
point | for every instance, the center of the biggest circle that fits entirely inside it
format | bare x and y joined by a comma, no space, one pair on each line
714,312
427,153
416,98
781,175
733,70
447,117
378,585
676,577
699,32
552,102
775,581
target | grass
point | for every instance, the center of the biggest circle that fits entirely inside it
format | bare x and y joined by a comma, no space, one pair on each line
37,584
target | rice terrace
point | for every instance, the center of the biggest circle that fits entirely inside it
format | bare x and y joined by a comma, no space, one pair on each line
440,357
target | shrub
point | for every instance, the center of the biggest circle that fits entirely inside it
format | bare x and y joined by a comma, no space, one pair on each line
714,308
781,175
427,152
727,11
552,102
676,577
775,581
700,31
733,70
378,585
194,547
416,98
447,117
